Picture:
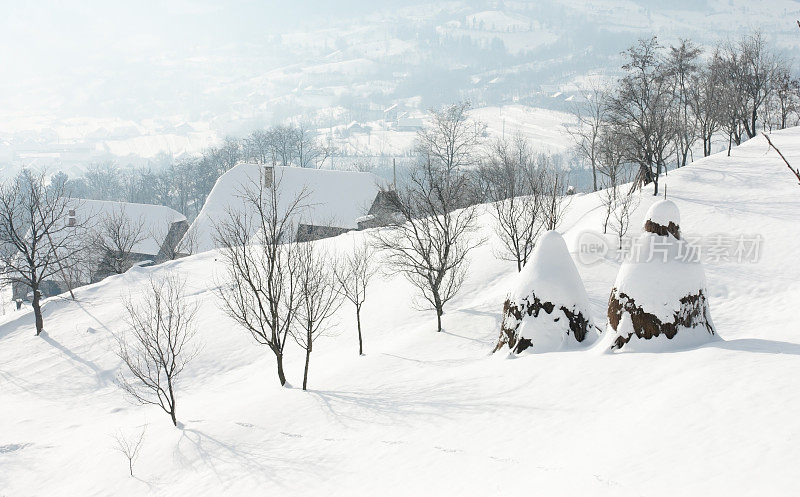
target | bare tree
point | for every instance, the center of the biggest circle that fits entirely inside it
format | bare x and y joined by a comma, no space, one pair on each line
430,244
258,147
260,292
554,189
515,187
283,140
611,153
318,299
682,67
308,151
129,446
706,101
230,153
353,274
752,68
640,111
591,120
784,103
625,205
37,240
116,235
159,345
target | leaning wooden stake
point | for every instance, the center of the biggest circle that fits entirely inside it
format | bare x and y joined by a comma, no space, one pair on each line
796,171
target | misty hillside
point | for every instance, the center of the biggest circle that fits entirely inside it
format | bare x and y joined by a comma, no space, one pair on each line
96,82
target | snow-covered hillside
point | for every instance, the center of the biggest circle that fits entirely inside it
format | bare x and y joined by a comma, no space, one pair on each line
435,414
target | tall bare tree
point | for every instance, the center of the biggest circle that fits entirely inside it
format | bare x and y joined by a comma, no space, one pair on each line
262,267
612,172
752,67
318,299
591,116
706,101
308,151
554,191
159,345
430,243
258,147
640,110
626,203
515,187
37,240
353,272
784,103
682,67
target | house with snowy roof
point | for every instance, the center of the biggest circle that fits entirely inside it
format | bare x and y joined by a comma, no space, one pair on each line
156,230
335,202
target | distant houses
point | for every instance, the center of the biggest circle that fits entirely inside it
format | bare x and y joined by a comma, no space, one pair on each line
119,235
336,201
405,122
147,233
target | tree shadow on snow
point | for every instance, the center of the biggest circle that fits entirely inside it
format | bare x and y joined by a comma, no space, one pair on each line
393,408
102,376
220,456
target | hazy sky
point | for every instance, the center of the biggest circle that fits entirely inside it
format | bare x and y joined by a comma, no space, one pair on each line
128,58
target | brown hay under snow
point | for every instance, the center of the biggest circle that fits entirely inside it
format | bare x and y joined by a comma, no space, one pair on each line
693,312
578,324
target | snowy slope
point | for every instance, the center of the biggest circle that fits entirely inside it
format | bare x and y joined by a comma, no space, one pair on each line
434,414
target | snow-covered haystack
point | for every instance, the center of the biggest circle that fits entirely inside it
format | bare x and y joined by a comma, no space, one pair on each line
548,309
659,300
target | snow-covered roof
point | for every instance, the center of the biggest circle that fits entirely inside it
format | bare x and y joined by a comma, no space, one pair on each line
335,198
155,219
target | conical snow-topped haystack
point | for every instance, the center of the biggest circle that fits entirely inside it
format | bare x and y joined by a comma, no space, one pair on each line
548,309
659,300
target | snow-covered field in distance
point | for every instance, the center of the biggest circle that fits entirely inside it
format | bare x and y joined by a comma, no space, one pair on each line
434,414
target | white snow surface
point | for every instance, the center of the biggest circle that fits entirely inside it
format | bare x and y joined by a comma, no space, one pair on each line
426,413
334,198
551,276
664,212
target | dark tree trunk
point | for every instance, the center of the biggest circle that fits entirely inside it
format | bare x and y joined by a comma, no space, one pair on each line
358,322
37,311
281,375
439,320
305,371
172,407
594,176
655,180
751,129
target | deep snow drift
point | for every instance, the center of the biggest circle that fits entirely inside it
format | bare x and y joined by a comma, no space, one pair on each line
431,413
548,309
